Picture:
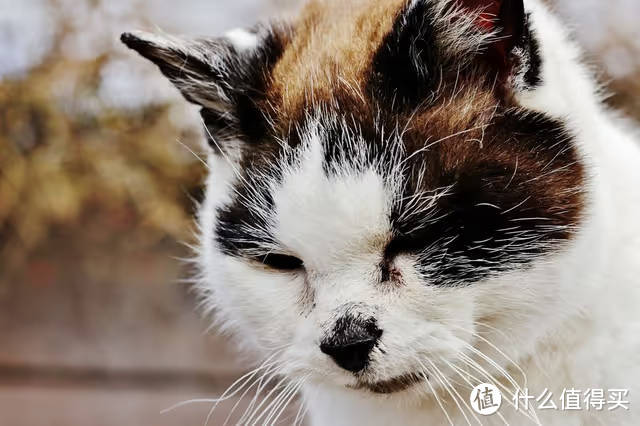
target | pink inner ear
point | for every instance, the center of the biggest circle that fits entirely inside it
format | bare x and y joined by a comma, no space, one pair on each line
490,9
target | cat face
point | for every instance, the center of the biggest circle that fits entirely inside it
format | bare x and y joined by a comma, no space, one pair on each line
377,201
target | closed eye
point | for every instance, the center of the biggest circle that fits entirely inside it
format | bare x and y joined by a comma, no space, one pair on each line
282,262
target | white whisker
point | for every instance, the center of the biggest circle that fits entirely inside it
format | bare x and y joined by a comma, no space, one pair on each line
437,398
185,146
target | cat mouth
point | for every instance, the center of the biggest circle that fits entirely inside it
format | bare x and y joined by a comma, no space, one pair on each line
397,384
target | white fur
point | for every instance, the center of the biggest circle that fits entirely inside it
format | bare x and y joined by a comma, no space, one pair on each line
242,39
571,321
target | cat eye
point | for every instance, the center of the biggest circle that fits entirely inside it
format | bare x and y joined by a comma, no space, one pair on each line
282,262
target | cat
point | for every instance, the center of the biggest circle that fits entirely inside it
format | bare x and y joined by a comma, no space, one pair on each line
409,198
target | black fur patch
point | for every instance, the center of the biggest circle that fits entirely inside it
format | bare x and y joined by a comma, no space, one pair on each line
500,213
243,227
405,67
533,74
237,223
354,140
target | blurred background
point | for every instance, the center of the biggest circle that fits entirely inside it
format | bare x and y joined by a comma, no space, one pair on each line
97,187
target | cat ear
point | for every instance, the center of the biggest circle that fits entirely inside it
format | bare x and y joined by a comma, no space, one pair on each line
511,50
429,38
226,75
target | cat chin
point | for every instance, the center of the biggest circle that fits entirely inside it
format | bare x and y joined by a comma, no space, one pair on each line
394,385
413,390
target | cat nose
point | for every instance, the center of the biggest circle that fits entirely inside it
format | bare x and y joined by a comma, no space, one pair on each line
351,343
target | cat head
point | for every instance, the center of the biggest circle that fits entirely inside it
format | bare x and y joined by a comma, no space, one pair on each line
379,200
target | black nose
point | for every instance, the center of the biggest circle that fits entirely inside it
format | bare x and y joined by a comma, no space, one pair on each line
351,342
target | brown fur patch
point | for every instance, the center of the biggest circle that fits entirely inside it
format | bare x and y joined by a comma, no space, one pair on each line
333,46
